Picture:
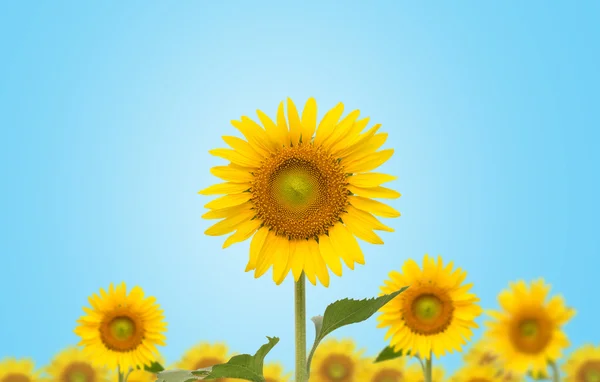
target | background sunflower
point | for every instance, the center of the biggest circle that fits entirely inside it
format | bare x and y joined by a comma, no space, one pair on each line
203,355
73,365
583,365
414,373
18,370
387,371
337,361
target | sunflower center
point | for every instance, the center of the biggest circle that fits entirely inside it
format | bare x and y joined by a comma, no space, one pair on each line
338,368
388,375
78,372
207,362
300,191
427,309
589,371
16,377
532,333
122,331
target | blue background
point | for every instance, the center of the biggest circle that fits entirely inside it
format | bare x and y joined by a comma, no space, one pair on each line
108,111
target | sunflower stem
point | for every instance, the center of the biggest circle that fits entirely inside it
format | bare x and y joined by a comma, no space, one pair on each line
427,369
300,313
119,373
555,371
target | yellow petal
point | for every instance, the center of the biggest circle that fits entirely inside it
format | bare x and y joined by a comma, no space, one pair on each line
234,157
225,188
351,137
243,232
227,212
369,162
358,143
341,129
267,254
295,124
282,123
229,201
370,179
276,132
369,147
243,147
229,224
345,243
305,247
297,255
328,123
329,254
258,240
373,206
309,120
232,174
358,228
256,135
281,262
368,219
319,266
374,192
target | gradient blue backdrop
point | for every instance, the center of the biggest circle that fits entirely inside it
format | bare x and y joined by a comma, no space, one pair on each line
108,111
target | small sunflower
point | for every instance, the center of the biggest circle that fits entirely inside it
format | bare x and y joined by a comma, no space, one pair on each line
414,373
527,333
482,354
583,365
337,361
18,370
435,314
388,371
122,330
274,372
72,365
205,355
302,191
478,373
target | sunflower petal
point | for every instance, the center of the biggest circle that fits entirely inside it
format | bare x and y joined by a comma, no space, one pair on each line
295,124
368,219
356,226
330,255
328,123
345,243
228,201
374,192
225,188
234,157
258,240
369,162
243,232
309,120
232,174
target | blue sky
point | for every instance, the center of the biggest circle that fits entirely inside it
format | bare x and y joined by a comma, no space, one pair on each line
108,111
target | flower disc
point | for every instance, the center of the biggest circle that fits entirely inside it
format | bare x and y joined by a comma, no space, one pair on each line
18,370
72,365
303,192
122,330
527,333
583,365
434,313
337,361
205,355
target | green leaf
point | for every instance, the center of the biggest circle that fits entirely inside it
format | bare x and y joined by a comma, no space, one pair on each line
389,353
154,367
345,312
177,376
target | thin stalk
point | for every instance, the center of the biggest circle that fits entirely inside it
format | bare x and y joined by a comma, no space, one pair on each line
555,371
126,377
427,369
300,313
119,373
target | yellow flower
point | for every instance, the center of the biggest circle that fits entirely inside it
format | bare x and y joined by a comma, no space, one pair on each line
414,373
482,354
302,192
142,375
387,371
478,373
436,312
122,330
337,361
274,372
72,365
205,355
527,333
583,365
18,370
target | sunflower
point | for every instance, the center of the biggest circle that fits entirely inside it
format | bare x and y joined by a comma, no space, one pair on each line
583,365
18,370
337,361
302,192
414,373
274,372
527,333
205,355
72,365
482,354
122,330
436,312
388,371
478,373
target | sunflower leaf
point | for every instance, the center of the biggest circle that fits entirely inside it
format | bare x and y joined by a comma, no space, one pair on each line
345,312
389,353
154,367
177,376
243,366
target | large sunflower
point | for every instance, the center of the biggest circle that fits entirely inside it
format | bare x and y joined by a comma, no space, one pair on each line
414,373
120,329
527,333
478,373
388,371
205,355
274,372
18,370
583,365
72,365
302,191
337,361
435,314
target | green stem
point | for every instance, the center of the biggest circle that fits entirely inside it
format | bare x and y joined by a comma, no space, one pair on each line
300,313
555,371
119,373
428,370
